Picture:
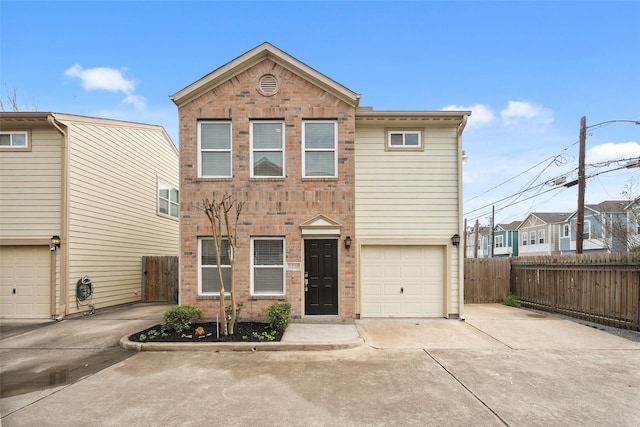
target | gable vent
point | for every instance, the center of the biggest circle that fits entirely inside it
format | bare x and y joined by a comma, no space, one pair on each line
268,85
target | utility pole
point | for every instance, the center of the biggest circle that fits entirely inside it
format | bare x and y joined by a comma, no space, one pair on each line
581,186
491,242
475,240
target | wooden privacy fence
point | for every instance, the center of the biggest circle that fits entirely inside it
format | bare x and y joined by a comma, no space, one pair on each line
599,288
602,288
160,279
486,280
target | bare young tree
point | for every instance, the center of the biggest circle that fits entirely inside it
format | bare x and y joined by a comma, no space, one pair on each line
12,103
219,213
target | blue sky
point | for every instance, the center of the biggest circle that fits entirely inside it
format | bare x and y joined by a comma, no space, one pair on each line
529,70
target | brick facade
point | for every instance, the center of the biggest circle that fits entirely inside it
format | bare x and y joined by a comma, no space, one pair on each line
273,206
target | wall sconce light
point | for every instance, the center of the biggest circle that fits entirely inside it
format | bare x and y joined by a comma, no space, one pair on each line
347,242
55,243
455,239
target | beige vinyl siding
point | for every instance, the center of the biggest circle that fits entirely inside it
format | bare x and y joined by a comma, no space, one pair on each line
113,220
30,187
410,194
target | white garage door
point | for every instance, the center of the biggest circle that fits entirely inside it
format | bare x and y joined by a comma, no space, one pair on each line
402,281
24,282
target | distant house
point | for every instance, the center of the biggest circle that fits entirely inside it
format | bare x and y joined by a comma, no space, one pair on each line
483,240
539,234
82,200
505,237
349,211
606,226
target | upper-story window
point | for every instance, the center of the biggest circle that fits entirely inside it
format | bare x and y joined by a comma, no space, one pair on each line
566,230
404,139
525,237
214,149
499,241
533,237
168,200
319,146
267,149
541,237
587,230
14,140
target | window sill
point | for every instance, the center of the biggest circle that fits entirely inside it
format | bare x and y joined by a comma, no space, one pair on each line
267,297
320,178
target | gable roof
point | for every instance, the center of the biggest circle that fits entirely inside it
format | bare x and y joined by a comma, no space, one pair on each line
510,226
609,206
254,56
548,217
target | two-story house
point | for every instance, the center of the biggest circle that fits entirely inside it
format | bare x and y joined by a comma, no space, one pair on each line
479,242
633,225
605,229
505,238
82,200
348,211
539,233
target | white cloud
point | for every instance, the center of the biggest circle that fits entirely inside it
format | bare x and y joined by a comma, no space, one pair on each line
480,113
109,79
518,110
612,151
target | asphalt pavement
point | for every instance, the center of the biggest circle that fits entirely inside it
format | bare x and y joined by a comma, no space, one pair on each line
501,366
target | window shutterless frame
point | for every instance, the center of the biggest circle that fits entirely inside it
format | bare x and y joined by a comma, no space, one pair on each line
268,260
208,281
215,144
267,149
168,200
397,138
319,149
14,140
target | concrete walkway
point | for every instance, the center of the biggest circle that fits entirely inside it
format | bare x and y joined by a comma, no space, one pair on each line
502,366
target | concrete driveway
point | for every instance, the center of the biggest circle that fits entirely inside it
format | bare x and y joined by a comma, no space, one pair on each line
502,366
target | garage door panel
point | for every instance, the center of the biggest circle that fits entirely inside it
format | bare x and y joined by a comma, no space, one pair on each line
25,269
410,282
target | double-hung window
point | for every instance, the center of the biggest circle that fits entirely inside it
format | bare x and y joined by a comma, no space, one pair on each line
267,149
587,230
208,279
214,149
541,237
525,237
13,140
566,230
320,149
499,241
404,139
168,200
267,266
533,237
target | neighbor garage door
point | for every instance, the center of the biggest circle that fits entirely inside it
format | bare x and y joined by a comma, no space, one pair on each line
402,281
24,282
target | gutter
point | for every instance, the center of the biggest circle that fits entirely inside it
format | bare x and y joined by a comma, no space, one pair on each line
461,247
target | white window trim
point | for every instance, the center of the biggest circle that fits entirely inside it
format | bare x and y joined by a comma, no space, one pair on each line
404,145
566,230
525,238
284,270
586,234
499,241
533,237
11,145
200,293
170,187
541,237
334,150
215,150
281,150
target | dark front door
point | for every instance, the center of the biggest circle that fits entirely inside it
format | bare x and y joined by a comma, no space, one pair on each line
321,277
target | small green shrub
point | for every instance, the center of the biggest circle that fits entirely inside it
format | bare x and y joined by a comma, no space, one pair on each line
511,300
265,335
180,317
279,316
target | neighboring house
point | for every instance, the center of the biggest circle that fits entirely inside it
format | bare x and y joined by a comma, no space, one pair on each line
81,196
605,229
505,238
633,225
483,240
539,234
348,211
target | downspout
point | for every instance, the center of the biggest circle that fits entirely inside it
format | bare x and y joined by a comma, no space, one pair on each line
460,219
64,218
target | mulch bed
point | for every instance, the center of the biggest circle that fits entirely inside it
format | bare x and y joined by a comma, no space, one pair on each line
242,332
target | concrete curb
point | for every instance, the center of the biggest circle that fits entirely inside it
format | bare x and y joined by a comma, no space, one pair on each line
239,346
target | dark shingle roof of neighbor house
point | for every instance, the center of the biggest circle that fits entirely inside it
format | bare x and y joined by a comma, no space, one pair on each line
510,226
609,206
